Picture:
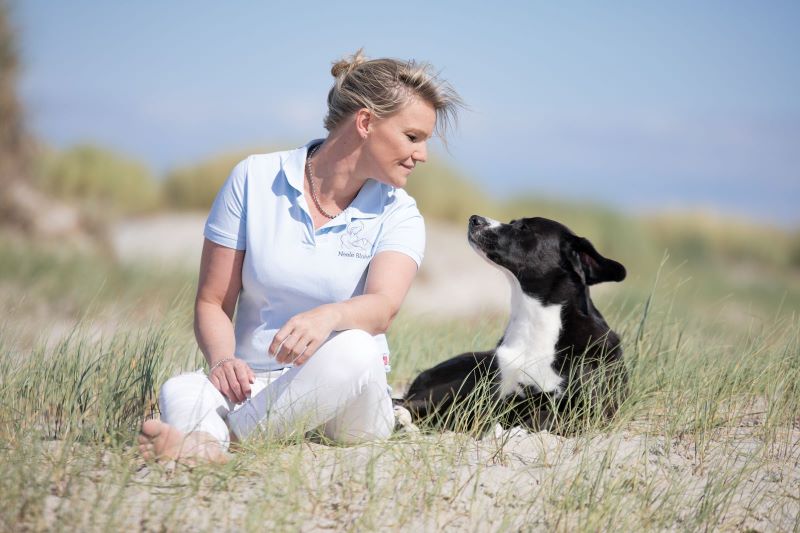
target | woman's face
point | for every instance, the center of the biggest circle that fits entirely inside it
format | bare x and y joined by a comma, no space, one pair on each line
395,144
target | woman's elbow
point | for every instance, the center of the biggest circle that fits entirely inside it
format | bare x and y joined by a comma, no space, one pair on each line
386,321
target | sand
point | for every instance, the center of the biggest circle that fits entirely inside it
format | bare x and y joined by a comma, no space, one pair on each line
506,481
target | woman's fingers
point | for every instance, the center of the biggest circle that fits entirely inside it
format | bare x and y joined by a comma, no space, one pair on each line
282,336
297,347
297,355
214,381
220,382
277,344
243,380
284,346
291,347
300,350
233,384
301,336
307,352
233,379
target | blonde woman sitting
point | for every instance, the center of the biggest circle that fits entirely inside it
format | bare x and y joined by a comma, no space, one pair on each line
315,249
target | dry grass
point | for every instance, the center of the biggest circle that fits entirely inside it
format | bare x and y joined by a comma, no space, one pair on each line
709,438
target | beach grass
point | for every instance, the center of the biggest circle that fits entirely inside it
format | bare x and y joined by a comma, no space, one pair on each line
708,438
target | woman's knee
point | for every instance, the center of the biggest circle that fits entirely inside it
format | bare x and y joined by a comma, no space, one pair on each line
369,417
355,351
189,402
179,385
186,391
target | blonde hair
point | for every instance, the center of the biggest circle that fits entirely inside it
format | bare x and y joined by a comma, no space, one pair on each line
385,85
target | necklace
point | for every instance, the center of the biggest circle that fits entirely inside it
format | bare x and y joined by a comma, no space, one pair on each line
311,184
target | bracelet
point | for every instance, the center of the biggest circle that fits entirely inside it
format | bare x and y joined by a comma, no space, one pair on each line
220,363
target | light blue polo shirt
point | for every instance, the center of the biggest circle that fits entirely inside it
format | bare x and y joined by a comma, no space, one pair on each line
289,267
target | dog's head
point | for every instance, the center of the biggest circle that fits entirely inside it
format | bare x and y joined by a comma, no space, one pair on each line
549,261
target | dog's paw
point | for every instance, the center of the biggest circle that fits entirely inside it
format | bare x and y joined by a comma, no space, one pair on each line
403,422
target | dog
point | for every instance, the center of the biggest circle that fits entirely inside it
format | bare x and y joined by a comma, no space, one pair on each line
557,363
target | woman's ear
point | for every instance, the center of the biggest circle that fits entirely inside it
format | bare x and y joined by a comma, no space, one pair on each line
364,119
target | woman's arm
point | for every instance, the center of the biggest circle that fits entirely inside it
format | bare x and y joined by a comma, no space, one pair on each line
217,292
388,280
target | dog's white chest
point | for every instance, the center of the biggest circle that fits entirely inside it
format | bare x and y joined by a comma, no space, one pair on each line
527,353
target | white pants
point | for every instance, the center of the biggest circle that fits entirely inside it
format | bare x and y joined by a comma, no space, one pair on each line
342,388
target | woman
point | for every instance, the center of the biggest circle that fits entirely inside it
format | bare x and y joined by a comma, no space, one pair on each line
316,249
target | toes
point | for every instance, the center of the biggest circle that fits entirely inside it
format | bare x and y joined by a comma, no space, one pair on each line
146,452
151,428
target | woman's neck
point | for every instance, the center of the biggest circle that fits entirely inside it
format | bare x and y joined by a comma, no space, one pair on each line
336,169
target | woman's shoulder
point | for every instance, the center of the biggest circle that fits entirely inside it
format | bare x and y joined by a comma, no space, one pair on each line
262,169
396,205
268,161
398,199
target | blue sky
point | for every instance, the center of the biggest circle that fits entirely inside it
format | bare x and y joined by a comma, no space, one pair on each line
643,106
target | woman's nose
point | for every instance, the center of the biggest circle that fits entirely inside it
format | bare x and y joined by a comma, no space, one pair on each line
421,154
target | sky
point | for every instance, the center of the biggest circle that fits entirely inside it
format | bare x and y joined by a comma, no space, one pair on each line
642,106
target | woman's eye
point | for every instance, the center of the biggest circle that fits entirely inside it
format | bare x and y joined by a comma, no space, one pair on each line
412,138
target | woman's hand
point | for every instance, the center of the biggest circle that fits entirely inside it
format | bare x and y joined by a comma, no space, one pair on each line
233,379
303,334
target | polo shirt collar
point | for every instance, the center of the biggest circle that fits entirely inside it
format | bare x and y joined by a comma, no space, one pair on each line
293,164
368,203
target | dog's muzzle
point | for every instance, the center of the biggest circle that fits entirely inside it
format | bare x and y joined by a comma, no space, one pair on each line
478,225
477,222
479,232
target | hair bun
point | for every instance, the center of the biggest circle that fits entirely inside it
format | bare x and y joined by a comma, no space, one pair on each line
344,66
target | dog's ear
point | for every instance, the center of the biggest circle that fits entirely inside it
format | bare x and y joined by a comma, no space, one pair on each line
590,265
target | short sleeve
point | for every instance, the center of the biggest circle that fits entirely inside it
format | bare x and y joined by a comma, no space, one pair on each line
227,222
404,231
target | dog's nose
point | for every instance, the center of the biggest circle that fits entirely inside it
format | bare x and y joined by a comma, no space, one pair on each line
476,221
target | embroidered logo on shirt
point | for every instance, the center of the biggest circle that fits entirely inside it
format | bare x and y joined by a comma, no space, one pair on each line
353,242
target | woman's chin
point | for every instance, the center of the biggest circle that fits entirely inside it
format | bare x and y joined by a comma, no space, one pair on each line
401,178
396,181
401,182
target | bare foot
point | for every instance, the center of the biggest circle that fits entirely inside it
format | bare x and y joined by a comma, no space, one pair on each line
158,440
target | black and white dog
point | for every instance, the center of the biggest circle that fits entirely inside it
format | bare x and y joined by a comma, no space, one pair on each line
558,358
